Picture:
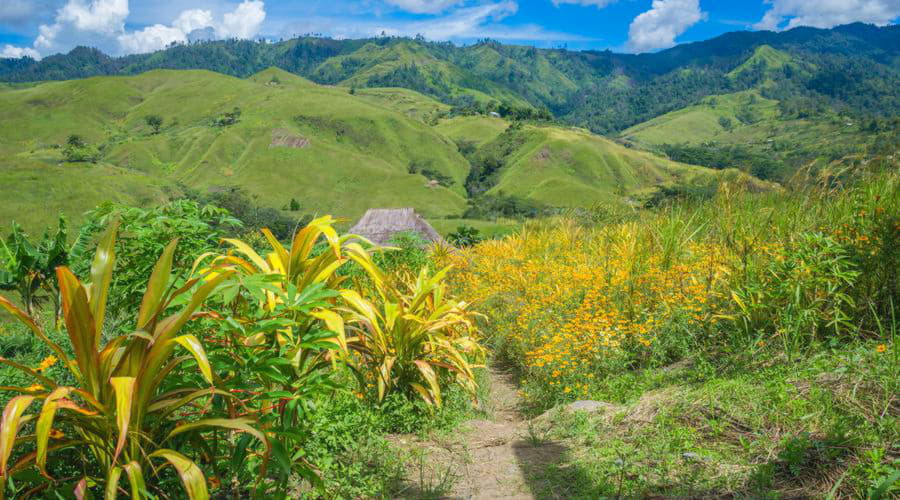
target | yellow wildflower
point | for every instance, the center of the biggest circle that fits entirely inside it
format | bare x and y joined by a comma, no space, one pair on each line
47,363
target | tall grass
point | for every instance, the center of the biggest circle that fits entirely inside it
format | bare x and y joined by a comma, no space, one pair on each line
570,302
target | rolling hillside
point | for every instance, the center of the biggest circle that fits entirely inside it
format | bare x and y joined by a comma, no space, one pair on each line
294,139
570,167
282,137
853,68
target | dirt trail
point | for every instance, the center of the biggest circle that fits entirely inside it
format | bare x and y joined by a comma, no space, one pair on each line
486,459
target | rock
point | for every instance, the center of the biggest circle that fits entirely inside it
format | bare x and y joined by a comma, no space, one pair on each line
590,406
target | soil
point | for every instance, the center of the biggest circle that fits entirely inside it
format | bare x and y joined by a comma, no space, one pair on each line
489,458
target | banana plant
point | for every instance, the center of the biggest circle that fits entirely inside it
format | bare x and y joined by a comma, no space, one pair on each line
415,339
125,395
28,268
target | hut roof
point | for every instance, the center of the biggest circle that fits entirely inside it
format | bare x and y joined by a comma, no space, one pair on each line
380,224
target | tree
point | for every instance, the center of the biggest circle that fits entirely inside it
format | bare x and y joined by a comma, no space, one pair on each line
294,205
77,150
154,121
725,122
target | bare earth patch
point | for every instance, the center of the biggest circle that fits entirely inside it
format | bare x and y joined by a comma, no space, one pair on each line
487,458
284,138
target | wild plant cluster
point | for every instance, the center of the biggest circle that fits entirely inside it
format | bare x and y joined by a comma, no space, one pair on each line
199,375
571,304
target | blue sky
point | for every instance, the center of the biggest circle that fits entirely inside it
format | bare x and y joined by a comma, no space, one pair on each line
42,27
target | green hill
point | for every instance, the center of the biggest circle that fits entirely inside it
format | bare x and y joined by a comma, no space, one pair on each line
570,167
765,57
729,115
478,129
348,153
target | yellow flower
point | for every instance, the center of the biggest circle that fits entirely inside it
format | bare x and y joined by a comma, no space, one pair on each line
567,389
761,343
47,363
56,434
881,348
34,388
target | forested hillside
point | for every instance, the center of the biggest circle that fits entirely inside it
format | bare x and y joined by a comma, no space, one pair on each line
852,69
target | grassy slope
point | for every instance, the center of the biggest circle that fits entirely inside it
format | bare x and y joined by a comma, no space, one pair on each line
700,123
570,167
477,129
410,102
372,60
357,158
770,58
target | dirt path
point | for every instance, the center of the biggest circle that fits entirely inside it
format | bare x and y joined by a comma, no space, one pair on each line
487,458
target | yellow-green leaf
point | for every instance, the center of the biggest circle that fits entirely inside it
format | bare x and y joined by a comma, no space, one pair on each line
45,425
112,483
136,480
156,286
191,475
192,344
124,389
9,427
101,276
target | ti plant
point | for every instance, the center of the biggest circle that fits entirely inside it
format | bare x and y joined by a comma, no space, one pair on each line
122,397
410,340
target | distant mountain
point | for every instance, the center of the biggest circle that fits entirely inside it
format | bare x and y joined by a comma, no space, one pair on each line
852,69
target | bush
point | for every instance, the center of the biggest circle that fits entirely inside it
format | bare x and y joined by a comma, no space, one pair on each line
144,233
77,150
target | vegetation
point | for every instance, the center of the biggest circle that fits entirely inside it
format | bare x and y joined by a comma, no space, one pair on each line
660,314
282,337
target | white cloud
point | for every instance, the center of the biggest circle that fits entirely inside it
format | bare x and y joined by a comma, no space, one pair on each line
658,27
424,6
194,19
12,52
587,3
827,13
244,22
101,24
468,23
151,38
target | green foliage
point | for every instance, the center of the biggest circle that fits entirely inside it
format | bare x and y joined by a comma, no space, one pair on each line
246,208
145,232
124,392
426,169
229,118
77,150
492,206
759,165
154,122
801,297
465,236
30,268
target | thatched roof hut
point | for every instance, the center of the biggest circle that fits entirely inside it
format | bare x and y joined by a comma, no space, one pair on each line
380,224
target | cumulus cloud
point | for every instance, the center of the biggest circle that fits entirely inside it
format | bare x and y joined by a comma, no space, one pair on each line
244,22
587,3
101,23
658,27
424,6
786,14
12,52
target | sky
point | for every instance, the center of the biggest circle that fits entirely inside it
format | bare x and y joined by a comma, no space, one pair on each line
38,28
